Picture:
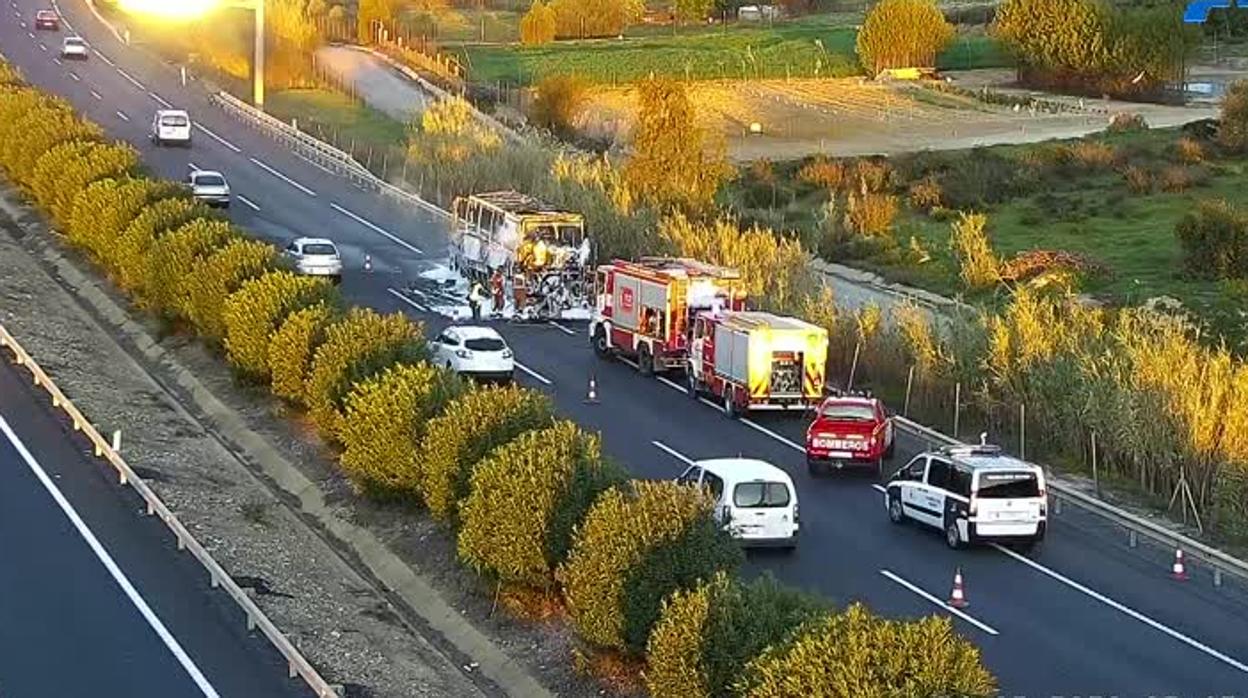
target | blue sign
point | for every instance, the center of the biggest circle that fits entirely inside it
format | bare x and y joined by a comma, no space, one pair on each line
1197,11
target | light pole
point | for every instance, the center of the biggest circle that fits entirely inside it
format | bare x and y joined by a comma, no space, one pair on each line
257,61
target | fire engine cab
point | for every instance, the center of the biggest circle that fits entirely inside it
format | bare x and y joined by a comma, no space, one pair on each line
753,360
645,309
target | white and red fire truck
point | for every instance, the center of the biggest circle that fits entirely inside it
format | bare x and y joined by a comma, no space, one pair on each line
752,360
645,309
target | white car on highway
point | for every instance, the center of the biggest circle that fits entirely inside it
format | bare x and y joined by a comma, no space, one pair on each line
171,126
209,187
755,501
474,351
315,257
73,47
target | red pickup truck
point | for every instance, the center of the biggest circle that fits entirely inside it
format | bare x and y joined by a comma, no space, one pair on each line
849,430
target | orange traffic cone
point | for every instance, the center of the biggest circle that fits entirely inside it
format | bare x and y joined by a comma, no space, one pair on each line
368,263
1178,571
958,598
592,397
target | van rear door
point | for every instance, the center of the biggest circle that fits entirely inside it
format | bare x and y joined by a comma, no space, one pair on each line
1008,497
763,509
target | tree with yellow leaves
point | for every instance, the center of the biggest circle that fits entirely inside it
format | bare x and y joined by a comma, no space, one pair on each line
902,34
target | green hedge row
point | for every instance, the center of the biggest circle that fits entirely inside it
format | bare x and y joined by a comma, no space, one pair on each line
642,567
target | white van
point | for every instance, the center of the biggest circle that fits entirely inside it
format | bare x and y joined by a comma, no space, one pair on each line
754,500
972,494
171,126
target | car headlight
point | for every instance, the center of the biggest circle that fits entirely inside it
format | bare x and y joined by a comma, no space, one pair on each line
507,354
463,353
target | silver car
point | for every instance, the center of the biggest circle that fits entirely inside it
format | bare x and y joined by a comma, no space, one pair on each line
315,257
73,47
209,187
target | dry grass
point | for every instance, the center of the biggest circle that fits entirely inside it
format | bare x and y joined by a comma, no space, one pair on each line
529,604
618,672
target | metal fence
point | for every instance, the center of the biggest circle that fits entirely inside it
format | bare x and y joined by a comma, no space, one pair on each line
297,665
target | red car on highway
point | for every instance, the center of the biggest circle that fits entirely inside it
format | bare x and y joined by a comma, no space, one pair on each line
47,19
849,431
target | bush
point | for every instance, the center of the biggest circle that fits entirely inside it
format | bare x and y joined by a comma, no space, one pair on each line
355,348
855,653
870,214
1189,151
254,312
220,274
384,420
595,18
1036,263
925,194
466,432
902,34
9,75
1231,500
38,131
292,347
1126,122
623,528
559,101
526,499
174,255
707,635
127,257
824,173
1214,239
1093,156
981,178
1233,123
1180,178
538,25
1139,179
978,265
105,208
63,172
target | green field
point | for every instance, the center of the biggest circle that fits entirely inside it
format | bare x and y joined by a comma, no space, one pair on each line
336,117
820,46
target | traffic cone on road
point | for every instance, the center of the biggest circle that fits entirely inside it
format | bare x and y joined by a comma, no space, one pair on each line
958,598
1178,571
368,263
592,397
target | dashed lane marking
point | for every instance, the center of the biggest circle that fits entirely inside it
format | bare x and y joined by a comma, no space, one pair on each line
96,94
247,202
377,229
282,177
74,77
964,616
122,115
218,139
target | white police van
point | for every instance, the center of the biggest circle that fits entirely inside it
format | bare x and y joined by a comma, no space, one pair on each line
971,493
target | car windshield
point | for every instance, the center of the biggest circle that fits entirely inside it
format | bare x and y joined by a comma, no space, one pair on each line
484,344
46,14
1014,485
209,180
848,412
760,495
174,120
319,249
75,42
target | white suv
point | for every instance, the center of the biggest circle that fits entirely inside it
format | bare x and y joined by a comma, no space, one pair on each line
477,352
315,257
972,494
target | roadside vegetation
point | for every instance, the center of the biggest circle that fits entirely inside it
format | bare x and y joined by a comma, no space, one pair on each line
549,525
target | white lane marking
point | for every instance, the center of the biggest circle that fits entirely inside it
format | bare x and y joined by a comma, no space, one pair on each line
1124,609
407,300
74,77
247,201
283,177
672,452
193,166
122,115
107,560
880,488
964,616
747,422
30,34
96,94
57,61
104,58
127,76
43,47
219,139
562,329
537,376
160,99
368,224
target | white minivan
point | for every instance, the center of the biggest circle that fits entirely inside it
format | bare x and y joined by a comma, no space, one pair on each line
972,494
171,126
755,501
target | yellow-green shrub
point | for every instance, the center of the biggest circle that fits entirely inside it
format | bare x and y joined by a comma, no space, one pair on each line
622,527
216,276
105,208
38,131
902,34
174,255
858,655
10,75
292,347
469,429
61,174
384,418
526,498
706,635
253,313
127,256
356,347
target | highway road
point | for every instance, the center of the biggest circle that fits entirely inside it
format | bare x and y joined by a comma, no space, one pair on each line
1081,615
95,599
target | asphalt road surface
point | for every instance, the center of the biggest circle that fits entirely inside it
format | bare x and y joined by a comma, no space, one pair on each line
1083,614
95,599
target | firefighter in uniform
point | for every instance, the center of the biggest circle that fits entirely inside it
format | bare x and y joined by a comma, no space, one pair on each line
496,291
475,298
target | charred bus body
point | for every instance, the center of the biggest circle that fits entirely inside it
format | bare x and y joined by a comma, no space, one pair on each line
540,250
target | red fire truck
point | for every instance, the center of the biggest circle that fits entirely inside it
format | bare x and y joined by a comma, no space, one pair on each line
645,309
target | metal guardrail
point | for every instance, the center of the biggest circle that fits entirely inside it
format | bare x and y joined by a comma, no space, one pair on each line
1217,560
319,153
297,664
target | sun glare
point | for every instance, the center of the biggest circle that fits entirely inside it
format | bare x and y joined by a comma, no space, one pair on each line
169,9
